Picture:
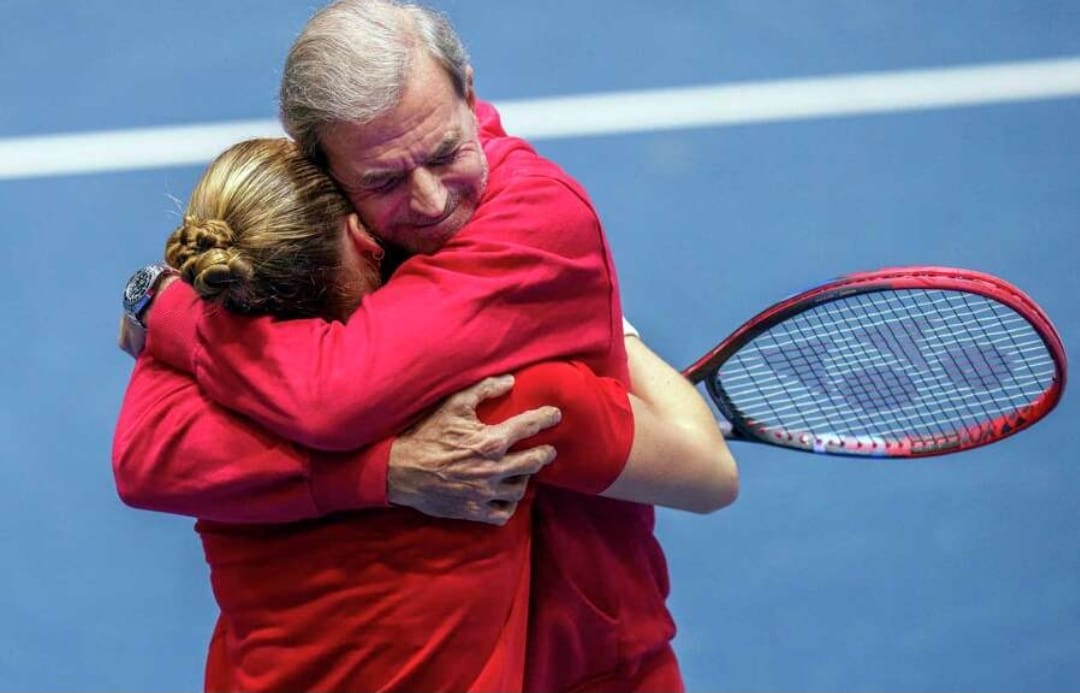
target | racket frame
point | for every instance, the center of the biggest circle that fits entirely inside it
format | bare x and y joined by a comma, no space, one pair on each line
888,279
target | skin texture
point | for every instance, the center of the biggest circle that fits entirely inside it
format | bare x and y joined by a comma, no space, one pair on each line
415,174
451,463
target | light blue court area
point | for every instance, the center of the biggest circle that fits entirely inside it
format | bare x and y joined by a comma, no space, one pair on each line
953,574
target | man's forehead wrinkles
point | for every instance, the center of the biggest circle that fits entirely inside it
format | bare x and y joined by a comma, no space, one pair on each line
345,173
397,160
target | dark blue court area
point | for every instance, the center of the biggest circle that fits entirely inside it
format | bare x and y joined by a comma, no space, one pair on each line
957,573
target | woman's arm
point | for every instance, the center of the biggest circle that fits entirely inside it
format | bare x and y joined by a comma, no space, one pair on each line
660,445
679,458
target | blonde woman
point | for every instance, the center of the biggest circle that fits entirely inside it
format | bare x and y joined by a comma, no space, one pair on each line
320,588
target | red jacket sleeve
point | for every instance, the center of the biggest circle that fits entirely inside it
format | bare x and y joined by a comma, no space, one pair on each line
176,451
594,437
181,453
528,279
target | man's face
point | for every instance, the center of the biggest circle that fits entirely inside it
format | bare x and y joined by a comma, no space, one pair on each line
415,175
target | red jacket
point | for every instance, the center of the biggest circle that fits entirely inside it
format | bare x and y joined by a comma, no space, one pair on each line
528,279
381,599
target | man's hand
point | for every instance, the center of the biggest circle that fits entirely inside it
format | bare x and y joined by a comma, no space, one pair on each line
453,465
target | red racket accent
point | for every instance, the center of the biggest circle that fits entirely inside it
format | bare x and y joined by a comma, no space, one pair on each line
871,382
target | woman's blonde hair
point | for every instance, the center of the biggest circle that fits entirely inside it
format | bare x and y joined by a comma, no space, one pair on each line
263,234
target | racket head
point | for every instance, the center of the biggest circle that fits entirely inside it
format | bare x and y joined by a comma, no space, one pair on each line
898,362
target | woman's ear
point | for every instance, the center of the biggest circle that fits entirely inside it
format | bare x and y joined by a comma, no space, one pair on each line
363,241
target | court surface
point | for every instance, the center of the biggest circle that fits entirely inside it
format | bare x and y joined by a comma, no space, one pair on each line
828,574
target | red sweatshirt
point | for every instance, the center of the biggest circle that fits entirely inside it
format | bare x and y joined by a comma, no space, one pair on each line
382,599
528,279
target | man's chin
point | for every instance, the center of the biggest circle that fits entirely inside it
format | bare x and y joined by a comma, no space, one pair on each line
421,241
424,240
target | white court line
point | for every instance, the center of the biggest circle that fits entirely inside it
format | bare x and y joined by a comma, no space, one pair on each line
594,114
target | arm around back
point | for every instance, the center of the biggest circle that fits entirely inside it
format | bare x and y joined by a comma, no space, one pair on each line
660,446
528,279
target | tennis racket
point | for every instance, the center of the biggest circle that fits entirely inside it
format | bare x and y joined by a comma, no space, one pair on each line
899,362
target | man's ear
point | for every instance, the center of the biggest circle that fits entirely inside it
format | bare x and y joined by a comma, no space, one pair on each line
364,242
470,91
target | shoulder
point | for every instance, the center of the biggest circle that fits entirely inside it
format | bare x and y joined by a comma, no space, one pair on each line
529,193
517,173
516,167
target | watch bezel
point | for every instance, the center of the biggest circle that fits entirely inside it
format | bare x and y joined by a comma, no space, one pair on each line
139,290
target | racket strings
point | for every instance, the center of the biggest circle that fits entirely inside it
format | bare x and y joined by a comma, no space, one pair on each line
922,325
971,366
916,328
889,365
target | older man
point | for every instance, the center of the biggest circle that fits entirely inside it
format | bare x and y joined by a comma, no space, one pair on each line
528,278
508,267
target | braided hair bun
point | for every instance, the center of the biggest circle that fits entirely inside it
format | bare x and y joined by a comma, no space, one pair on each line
206,254
264,233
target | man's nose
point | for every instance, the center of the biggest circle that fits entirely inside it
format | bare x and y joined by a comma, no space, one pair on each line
428,193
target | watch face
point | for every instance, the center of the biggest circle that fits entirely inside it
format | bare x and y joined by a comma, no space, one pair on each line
137,286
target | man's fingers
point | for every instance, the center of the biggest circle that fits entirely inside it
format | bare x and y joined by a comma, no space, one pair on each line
494,512
525,463
452,465
500,512
488,388
488,478
526,424
492,503
514,487
493,441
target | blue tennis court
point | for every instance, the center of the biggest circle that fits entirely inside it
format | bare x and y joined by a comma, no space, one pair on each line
957,573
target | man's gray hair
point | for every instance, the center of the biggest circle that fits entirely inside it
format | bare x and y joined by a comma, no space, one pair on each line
351,61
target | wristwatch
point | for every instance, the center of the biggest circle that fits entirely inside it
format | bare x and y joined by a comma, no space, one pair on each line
140,290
